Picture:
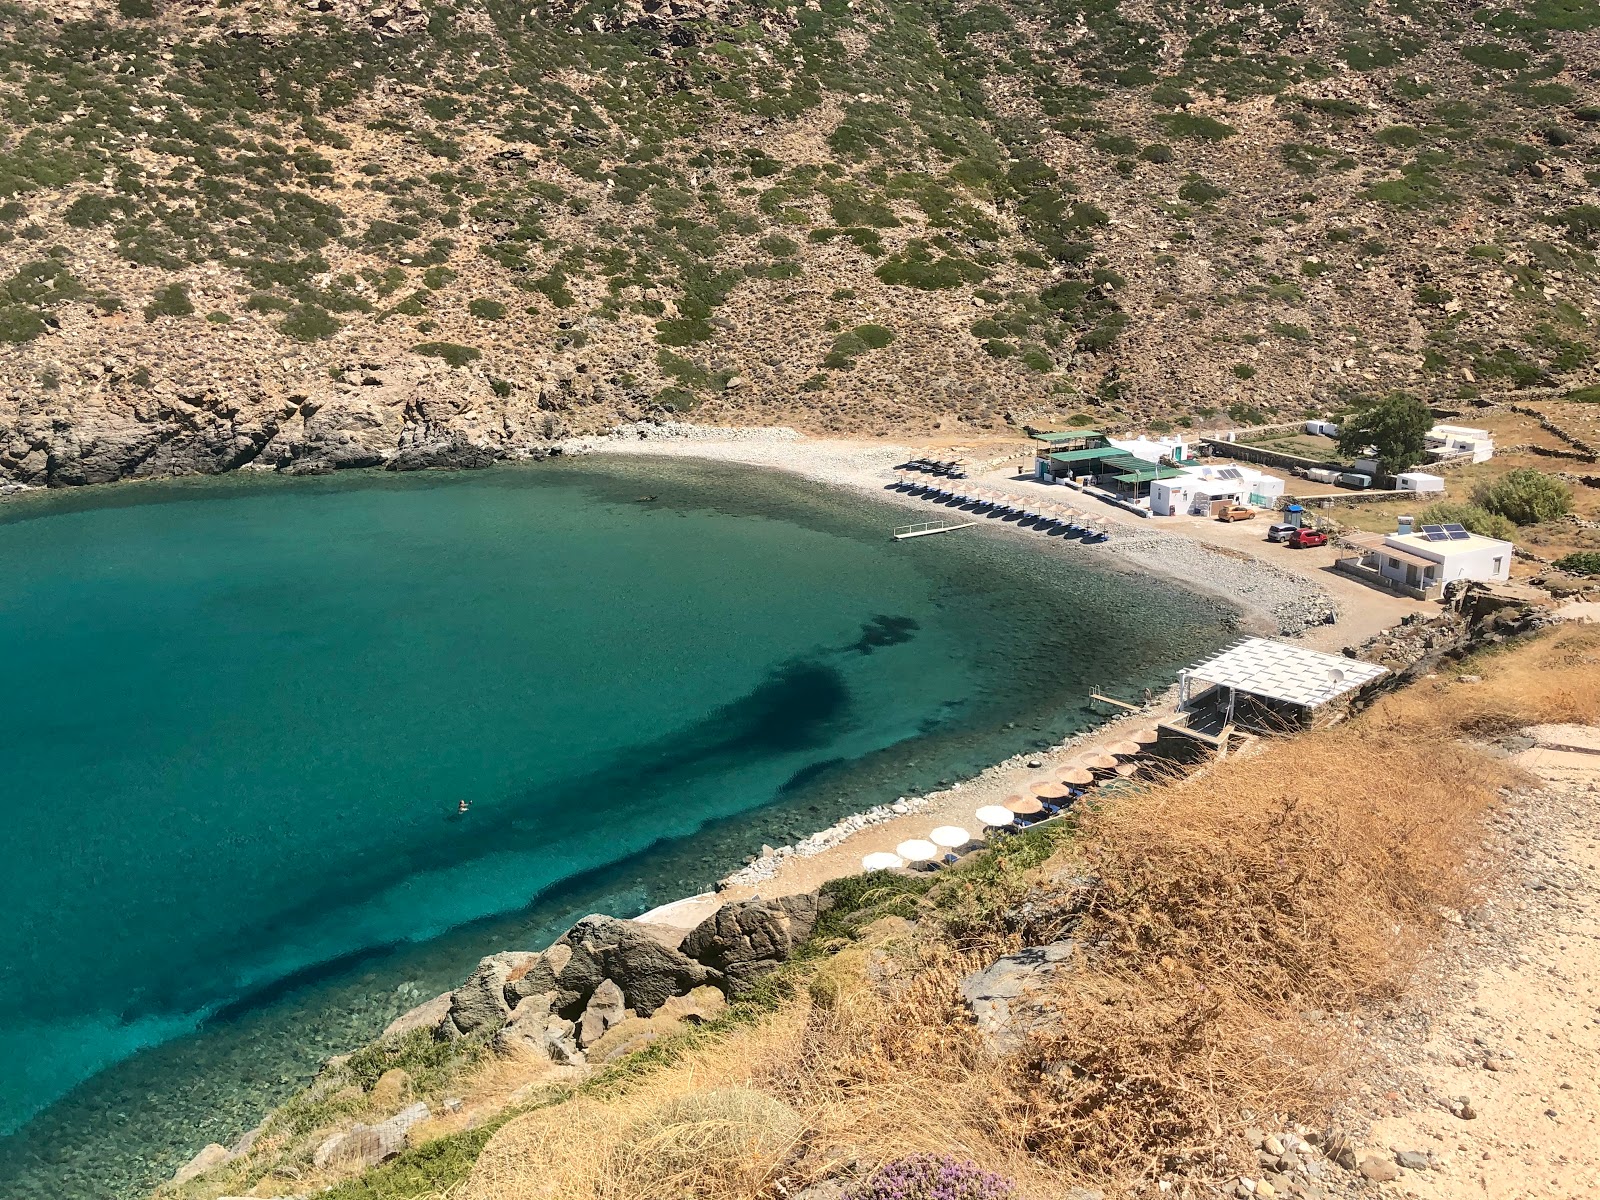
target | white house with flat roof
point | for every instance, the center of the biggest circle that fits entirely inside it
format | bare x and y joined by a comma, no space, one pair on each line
1421,561
1448,441
1153,450
1196,489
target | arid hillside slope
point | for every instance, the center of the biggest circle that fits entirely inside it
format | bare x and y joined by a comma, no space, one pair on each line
310,235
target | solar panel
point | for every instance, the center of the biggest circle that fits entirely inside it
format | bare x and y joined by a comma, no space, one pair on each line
1458,533
1435,533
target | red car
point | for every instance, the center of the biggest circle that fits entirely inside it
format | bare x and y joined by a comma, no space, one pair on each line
1304,539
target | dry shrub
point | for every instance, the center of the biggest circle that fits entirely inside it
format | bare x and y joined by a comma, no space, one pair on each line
1550,679
597,1147
725,1142
891,1065
1237,907
1304,879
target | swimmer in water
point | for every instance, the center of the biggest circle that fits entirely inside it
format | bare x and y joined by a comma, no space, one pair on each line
462,807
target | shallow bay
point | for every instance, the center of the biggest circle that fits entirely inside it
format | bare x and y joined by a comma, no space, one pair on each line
240,714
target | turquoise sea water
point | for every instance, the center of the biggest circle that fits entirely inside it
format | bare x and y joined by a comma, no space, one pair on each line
238,715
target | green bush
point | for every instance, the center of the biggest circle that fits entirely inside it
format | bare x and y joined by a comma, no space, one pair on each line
1157,152
20,323
1193,125
1197,191
309,323
1583,562
1473,517
487,310
1401,137
916,266
171,301
1495,57
1526,496
456,356
1581,222
874,337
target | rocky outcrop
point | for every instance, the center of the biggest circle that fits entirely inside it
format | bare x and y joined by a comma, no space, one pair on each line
605,1009
369,1145
482,1004
1006,999
745,941
598,948
208,1157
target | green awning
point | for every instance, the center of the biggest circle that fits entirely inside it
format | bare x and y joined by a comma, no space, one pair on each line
1149,475
1108,453
1071,435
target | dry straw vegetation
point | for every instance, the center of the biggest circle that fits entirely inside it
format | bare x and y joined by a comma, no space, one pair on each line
1240,917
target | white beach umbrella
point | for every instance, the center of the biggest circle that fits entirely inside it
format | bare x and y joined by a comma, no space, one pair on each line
881,861
949,836
917,850
994,815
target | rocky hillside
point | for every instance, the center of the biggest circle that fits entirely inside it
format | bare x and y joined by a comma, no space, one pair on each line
254,233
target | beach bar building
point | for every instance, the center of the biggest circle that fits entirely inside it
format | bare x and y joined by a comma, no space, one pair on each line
1263,685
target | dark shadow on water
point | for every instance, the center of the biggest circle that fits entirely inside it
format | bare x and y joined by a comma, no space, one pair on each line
802,705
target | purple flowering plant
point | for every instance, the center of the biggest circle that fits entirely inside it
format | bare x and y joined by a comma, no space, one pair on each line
933,1177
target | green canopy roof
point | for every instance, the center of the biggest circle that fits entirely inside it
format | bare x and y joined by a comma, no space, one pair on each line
1108,453
1066,436
1148,474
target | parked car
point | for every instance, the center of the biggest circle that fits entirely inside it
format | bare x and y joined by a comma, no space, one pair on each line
1280,533
1304,539
1236,512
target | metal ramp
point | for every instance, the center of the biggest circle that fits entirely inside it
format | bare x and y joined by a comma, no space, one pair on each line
924,528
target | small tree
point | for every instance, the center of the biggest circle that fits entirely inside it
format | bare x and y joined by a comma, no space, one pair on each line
1394,430
1470,516
171,301
1525,497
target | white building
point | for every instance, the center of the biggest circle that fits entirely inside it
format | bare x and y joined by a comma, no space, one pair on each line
1196,489
1418,481
1422,562
1153,450
1323,428
1447,441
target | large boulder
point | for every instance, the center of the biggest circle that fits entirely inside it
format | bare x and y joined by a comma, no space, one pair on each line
598,948
368,1145
524,1028
480,1004
430,1014
210,1156
1007,998
744,941
605,1009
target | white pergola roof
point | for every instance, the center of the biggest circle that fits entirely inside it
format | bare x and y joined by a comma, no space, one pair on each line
1285,671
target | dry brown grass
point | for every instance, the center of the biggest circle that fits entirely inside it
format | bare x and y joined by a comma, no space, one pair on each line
1238,911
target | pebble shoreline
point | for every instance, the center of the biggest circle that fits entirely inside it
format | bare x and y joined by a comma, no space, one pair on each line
1268,594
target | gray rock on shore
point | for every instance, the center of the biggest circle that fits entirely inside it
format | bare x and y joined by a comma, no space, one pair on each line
647,972
368,1145
746,940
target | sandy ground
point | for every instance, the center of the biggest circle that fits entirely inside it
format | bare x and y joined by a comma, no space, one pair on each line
1509,1025
1233,561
